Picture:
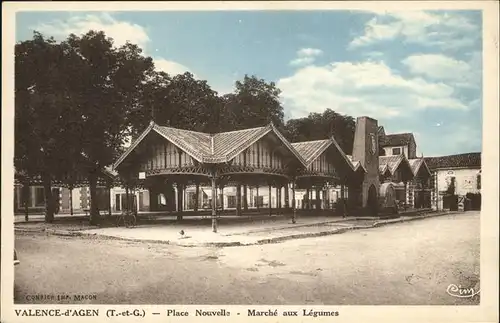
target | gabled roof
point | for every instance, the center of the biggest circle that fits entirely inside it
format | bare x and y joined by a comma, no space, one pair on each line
311,150
356,164
207,148
416,164
227,142
196,144
382,168
391,162
397,139
472,160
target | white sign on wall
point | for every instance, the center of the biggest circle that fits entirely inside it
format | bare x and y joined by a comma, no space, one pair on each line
142,175
468,182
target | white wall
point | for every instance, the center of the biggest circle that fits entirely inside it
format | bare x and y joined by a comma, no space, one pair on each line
465,180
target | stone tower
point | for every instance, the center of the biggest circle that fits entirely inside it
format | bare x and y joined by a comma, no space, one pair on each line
365,151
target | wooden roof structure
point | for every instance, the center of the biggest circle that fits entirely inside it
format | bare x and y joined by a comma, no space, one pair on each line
210,148
392,163
417,165
226,149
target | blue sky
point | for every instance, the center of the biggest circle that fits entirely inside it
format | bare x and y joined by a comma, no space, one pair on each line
414,71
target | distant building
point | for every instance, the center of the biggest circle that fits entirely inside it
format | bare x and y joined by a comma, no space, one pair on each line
456,175
398,163
397,144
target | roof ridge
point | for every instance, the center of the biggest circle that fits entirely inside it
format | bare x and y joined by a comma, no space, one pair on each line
233,131
303,142
197,132
453,155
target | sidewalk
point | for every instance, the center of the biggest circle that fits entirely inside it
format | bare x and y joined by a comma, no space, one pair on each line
270,230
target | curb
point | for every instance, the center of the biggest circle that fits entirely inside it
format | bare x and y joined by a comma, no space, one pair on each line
412,218
239,243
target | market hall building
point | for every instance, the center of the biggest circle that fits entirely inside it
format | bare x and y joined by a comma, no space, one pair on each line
175,171
167,162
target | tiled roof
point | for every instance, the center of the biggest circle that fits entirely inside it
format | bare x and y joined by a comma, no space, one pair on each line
398,139
355,163
451,161
309,150
391,162
207,148
416,164
226,143
382,168
197,144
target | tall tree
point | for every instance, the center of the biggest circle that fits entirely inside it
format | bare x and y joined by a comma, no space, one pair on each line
44,108
107,91
180,101
254,103
318,126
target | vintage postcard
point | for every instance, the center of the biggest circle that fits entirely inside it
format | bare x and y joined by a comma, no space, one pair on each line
250,161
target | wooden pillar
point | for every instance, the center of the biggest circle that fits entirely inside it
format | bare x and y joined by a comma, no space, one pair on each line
135,202
180,194
214,204
342,204
127,201
245,197
109,201
278,199
287,197
258,204
318,200
26,200
310,203
406,194
196,196
305,202
238,199
222,198
294,211
270,200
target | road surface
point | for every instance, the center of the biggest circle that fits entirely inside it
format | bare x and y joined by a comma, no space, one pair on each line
409,263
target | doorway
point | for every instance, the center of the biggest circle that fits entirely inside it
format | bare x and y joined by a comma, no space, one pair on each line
372,202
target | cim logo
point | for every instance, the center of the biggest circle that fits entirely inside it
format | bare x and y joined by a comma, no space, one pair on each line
459,291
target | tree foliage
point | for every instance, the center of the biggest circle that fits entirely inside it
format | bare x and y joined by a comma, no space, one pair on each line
44,112
180,101
73,111
318,126
254,103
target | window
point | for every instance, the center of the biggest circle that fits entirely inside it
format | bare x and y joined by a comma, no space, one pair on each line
162,200
39,196
479,181
396,151
231,201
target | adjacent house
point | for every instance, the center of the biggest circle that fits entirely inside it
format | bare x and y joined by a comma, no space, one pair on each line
456,175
